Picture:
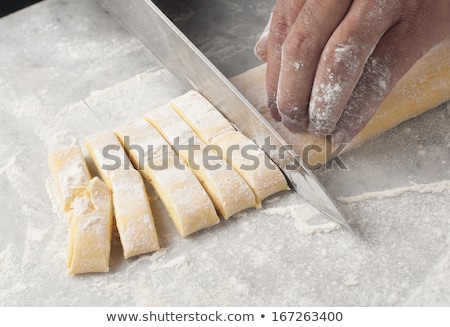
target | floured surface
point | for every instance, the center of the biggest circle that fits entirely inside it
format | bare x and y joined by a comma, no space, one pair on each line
400,256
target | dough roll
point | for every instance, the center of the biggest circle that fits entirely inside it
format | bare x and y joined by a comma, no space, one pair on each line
424,87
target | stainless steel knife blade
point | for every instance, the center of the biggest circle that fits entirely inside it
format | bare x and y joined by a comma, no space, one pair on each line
144,20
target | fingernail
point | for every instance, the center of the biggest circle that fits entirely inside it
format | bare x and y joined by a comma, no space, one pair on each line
274,112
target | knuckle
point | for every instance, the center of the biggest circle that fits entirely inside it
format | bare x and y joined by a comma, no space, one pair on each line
419,18
298,44
343,58
278,34
279,25
418,12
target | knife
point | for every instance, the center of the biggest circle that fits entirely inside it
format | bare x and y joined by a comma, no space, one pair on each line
144,20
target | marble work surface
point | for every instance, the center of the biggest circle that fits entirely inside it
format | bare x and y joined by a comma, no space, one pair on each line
69,70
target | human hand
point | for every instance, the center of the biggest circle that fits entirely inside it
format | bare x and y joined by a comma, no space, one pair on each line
331,63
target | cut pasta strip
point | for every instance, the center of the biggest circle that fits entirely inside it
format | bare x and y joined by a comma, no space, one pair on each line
228,191
260,173
201,116
186,201
134,218
70,172
108,155
90,223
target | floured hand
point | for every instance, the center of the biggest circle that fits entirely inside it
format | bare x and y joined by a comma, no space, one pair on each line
332,63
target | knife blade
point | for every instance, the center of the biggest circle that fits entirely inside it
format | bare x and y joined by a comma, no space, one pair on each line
144,20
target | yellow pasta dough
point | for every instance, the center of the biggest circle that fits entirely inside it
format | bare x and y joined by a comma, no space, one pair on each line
228,191
70,172
201,116
134,218
260,173
90,228
263,177
108,154
186,201
425,86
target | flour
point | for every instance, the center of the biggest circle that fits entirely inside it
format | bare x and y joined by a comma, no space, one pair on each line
178,263
437,187
435,290
9,165
33,242
351,280
82,205
306,219
52,192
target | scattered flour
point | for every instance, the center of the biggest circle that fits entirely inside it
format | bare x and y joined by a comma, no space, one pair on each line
307,220
437,187
178,262
435,290
52,192
351,280
10,165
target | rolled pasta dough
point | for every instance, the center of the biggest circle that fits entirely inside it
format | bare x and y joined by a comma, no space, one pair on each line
425,86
